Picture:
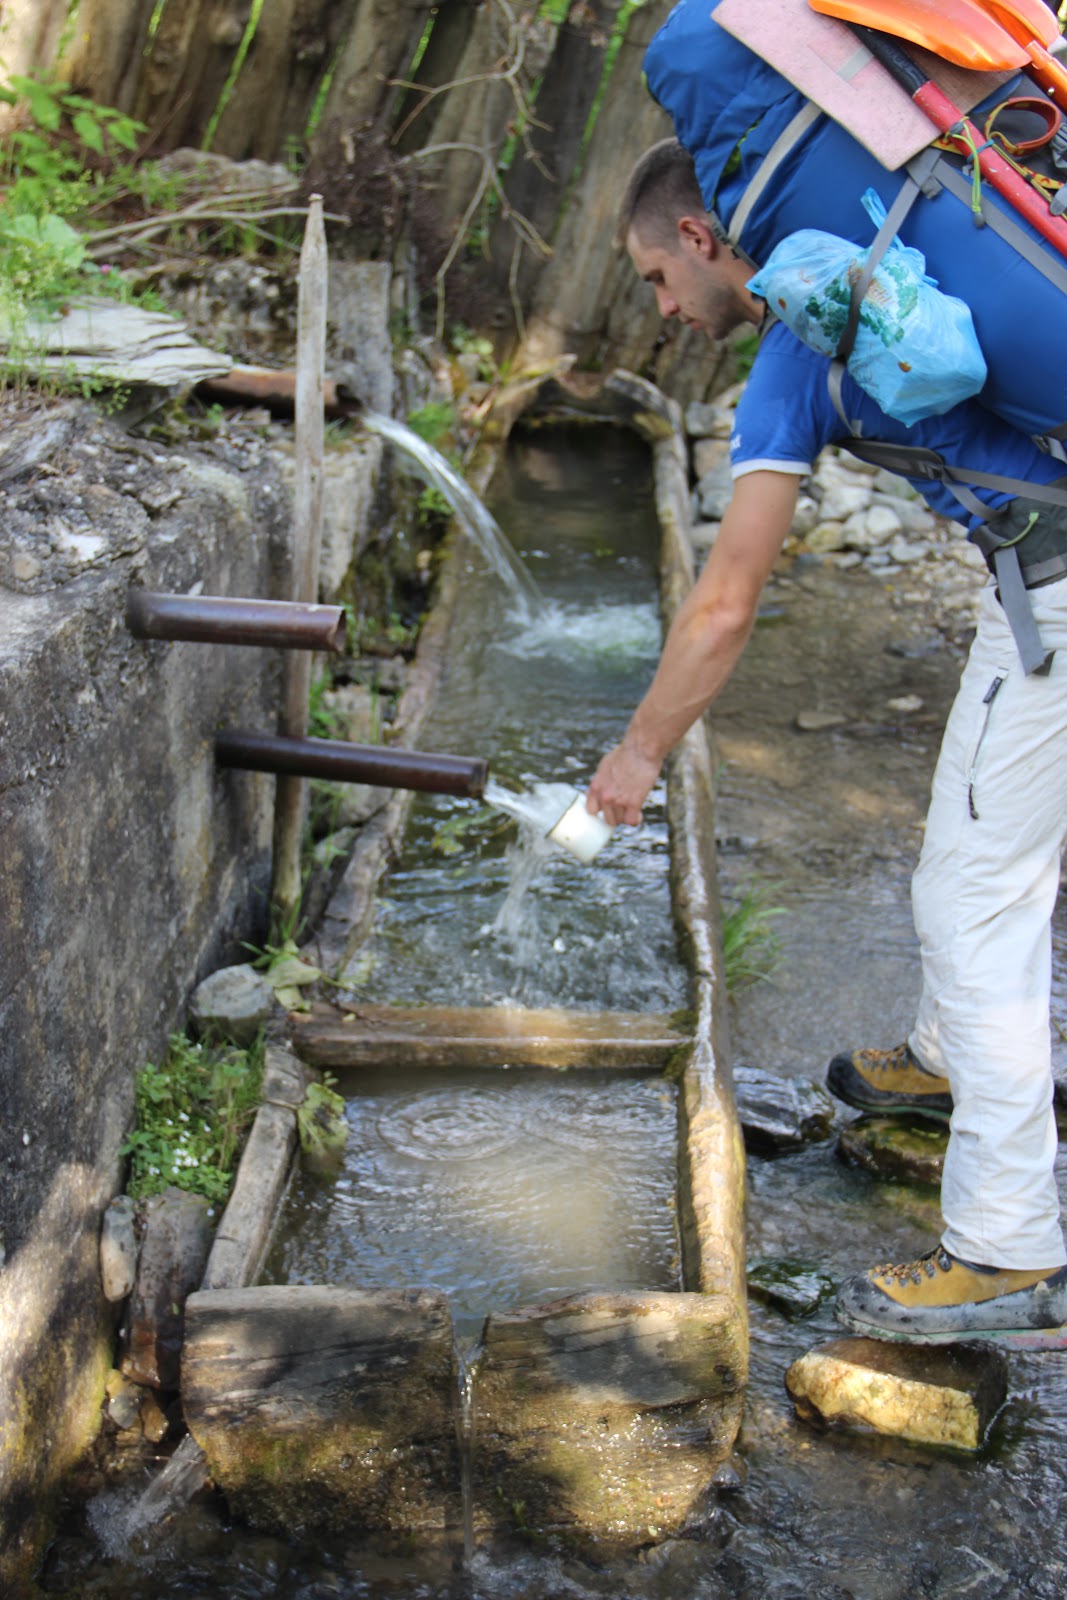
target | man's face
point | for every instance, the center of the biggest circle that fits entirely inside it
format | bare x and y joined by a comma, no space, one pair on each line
693,281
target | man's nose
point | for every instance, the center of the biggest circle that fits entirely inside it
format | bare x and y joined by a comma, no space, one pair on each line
668,305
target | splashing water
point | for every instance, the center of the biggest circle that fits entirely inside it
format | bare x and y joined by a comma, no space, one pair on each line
477,521
539,808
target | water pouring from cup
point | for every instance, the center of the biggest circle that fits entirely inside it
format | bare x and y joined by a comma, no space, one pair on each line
557,811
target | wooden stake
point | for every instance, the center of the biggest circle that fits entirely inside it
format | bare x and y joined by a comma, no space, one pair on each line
291,793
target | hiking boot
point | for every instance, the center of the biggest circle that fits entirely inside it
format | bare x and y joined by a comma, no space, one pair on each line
939,1298
890,1081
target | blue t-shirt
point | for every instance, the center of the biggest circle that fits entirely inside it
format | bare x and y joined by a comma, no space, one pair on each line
785,416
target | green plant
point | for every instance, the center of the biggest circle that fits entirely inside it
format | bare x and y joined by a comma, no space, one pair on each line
193,1111
433,421
751,948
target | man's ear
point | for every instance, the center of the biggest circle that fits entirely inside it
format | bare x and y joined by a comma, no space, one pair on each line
695,234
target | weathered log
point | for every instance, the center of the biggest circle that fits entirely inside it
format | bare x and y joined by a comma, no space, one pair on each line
175,1247
605,1415
490,1036
326,1408
244,1231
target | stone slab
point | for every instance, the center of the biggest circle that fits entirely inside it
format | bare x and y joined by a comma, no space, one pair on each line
326,1408
894,1147
605,1416
941,1395
482,1036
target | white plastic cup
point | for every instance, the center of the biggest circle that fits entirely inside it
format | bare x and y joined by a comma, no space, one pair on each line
579,831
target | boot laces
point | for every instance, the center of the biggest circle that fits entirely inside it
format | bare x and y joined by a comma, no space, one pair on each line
933,1262
889,1060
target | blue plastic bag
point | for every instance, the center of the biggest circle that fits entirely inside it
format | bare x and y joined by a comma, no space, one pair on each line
916,352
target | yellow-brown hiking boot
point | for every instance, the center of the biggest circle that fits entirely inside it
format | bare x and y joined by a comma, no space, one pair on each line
939,1298
889,1081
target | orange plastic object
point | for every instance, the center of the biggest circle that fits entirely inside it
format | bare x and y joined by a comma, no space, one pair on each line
961,31
1033,15
1032,25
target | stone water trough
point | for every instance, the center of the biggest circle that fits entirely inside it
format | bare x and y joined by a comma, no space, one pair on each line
601,1418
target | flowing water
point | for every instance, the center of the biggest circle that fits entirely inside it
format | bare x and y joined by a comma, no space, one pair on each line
431,466
828,826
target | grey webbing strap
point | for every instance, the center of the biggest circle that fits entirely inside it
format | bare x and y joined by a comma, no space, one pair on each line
791,134
908,194
906,197
1014,599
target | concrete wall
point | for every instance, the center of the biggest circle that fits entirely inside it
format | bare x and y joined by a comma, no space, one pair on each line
128,865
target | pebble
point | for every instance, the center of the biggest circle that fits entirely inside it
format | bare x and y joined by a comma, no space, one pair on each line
817,721
906,703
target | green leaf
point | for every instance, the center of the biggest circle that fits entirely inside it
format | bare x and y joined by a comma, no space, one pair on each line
88,131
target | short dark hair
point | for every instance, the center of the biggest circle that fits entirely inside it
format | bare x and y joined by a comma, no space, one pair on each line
661,188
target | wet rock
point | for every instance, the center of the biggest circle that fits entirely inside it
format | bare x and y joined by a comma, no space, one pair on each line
704,534
779,1113
714,492
705,421
323,1408
819,721
174,1252
826,536
234,1003
893,1147
842,500
323,1129
118,1248
707,455
353,710
940,1394
805,516
155,1424
915,649
794,1287
871,528
122,1401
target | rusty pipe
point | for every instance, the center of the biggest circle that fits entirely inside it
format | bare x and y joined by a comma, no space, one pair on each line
275,390
209,619
381,765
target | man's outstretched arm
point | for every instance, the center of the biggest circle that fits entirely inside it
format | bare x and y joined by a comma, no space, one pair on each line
704,643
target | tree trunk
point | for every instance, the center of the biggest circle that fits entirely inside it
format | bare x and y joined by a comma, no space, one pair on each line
186,68
537,183
472,120
31,32
575,292
273,98
379,49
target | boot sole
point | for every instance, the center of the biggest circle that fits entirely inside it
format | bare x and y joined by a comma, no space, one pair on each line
1005,1338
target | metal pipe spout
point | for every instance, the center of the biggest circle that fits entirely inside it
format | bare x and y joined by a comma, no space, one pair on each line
210,619
381,765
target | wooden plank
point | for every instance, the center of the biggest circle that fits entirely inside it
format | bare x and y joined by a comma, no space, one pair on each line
489,1036
605,1413
291,792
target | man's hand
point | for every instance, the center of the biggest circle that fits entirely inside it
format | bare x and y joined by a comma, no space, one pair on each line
703,643
621,785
